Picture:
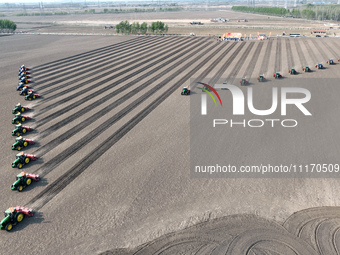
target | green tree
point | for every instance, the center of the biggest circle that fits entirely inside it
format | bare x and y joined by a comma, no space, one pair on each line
135,27
158,27
7,25
143,28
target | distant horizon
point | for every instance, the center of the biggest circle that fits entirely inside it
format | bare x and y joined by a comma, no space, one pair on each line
81,1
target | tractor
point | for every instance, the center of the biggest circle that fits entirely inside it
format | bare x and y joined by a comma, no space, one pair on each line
19,130
18,108
292,71
261,78
330,61
21,143
306,69
23,159
319,66
185,91
14,215
243,82
23,180
277,75
20,118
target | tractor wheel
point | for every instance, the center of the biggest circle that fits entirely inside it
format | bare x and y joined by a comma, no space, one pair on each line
23,119
20,165
22,109
20,217
19,148
9,227
33,96
29,99
27,160
20,188
18,134
25,143
18,122
24,130
28,181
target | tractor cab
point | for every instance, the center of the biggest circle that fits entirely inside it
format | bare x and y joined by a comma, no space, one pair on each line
19,138
21,176
20,156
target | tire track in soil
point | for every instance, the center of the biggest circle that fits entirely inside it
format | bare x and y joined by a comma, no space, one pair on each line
43,67
251,66
95,85
79,76
300,53
219,73
55,142
278,55
100,101
336,46
206,72
54,188
231,77
329,47
309,49
69,67
318,47
290,57
266,57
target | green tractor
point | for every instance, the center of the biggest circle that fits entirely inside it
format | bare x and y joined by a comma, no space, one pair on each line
18,108
292,71
261,78
23,159
306,69
23,180
20,118
21,143
185,91
13,216
243,82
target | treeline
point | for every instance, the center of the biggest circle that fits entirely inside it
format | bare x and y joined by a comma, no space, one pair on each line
124,27
40,13
7,25
168,9
307,11
317,12
93,11
262,10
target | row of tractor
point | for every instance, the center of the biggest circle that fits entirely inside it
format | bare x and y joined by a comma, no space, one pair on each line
14,215
186,90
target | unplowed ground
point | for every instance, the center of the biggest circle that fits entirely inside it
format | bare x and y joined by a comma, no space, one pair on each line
112,134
